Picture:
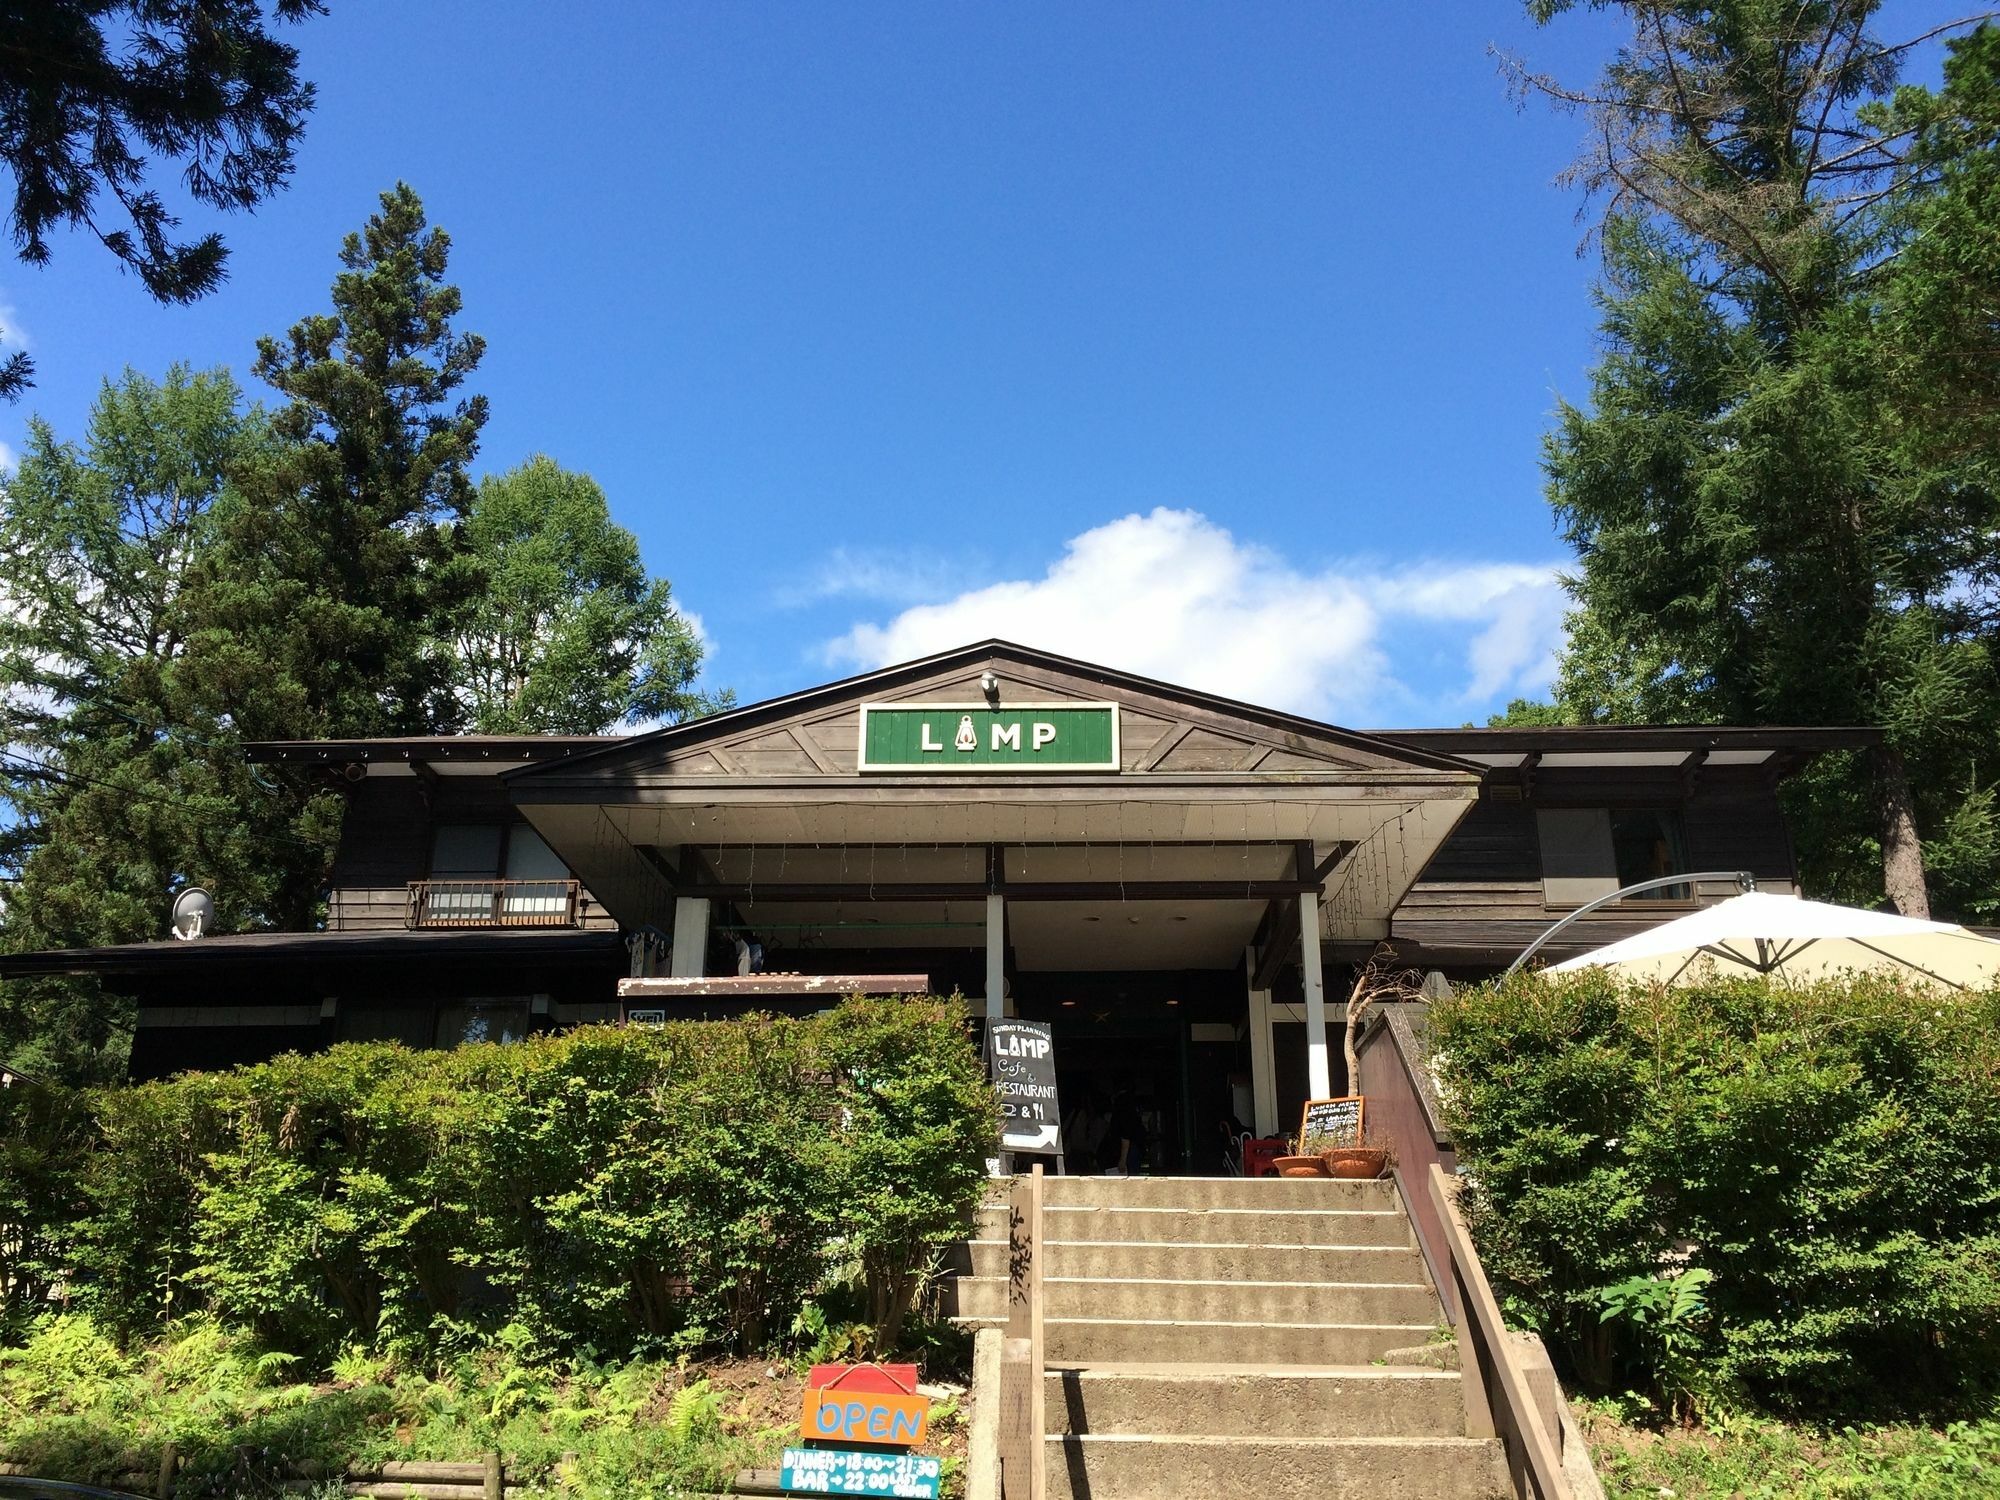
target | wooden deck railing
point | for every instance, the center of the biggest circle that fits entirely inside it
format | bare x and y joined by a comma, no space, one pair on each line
1499,1399
1510,1388
492,903
1023,1475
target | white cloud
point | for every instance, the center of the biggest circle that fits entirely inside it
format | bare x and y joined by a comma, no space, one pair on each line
12,335
904,575
8,459
1172,595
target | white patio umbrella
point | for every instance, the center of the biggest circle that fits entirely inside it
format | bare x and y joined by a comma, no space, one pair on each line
1759,933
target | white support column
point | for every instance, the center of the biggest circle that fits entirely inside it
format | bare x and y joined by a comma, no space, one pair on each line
690,960
996,957
1263,1072
1319,1076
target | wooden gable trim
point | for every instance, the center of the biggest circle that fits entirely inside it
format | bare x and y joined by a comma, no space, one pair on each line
1267,730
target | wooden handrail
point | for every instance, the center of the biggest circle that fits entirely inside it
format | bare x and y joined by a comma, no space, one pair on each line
1023,1465
1494,1378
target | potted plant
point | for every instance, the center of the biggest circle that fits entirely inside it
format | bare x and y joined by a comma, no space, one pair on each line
1366,1159
1307,1159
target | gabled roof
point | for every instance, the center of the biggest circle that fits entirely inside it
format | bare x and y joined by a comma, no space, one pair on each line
1060,673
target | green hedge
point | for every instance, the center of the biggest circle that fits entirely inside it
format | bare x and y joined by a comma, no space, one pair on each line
1830,1155
608,1189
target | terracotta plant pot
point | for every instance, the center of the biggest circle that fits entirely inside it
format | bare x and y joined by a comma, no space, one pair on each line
1355,1161
1299,1166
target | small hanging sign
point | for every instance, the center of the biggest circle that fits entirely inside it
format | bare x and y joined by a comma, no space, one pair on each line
864,1404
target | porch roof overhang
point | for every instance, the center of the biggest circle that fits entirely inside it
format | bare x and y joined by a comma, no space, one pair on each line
236,953
660,816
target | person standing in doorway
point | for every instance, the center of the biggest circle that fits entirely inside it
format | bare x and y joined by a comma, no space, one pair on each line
1126,1140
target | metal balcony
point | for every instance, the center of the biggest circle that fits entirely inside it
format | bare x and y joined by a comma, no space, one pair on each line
493,903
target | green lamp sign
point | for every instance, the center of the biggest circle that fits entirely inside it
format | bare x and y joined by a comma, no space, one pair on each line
1068,736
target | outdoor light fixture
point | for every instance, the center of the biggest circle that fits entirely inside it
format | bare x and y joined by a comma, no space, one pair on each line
989,684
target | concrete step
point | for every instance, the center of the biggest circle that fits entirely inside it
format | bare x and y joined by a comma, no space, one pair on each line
1212,1226
1112,1261
1149,1467
1232,1400
1213,1301
1094,1341
1266,1193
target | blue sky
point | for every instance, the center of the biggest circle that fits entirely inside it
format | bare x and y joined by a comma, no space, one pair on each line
1214,342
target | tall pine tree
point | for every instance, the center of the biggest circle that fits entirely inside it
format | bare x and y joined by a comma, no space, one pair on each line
1767,530
313,614
116,794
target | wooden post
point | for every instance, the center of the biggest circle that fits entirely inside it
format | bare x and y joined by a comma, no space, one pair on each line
495,1477
1319,1072
1023,1422
170,1462
690,951
996,957
1263,1070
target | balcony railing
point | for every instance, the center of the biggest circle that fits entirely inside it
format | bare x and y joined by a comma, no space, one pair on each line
493,903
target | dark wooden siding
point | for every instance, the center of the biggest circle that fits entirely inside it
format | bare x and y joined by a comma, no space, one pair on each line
385,843
1479,901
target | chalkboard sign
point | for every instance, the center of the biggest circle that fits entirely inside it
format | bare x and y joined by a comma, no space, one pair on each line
1338,1119
1022,1058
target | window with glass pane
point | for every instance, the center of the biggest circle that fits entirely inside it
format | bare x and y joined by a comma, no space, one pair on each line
497,1019
1647,844
465,861
538,880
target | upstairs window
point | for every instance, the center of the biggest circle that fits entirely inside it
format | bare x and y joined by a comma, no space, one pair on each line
1647,843
543,879
486,873
1588,852
466,851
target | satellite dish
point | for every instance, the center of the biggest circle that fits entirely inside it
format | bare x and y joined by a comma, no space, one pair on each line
194,912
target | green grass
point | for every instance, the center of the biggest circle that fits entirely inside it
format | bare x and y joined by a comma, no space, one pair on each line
74,1405
1748,1459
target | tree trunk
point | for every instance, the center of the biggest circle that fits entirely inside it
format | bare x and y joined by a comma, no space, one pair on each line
1902,850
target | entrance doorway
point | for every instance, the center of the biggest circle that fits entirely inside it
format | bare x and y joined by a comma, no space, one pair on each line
1133,1048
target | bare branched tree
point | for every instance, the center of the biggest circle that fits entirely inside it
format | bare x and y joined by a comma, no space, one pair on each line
1756,130
1374,981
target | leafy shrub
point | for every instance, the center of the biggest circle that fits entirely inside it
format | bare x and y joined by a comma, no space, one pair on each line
605,1190
1830,1153
44,1134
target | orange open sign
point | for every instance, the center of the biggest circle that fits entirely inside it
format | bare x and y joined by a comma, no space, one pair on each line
834,1414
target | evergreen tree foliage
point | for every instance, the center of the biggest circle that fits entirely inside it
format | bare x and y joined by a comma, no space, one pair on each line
313,615
91,89
1781,489
193,574
566,634
115,793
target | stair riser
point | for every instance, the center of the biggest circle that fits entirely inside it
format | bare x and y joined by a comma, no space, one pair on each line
1244,1405
1212,1302
1165,1226
1269,1193
1071,1342
1164,1469
1351,1263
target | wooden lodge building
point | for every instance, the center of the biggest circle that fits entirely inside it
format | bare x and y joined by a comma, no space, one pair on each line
1180,883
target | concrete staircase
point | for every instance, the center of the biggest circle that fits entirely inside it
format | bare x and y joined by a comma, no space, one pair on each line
1214,1338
